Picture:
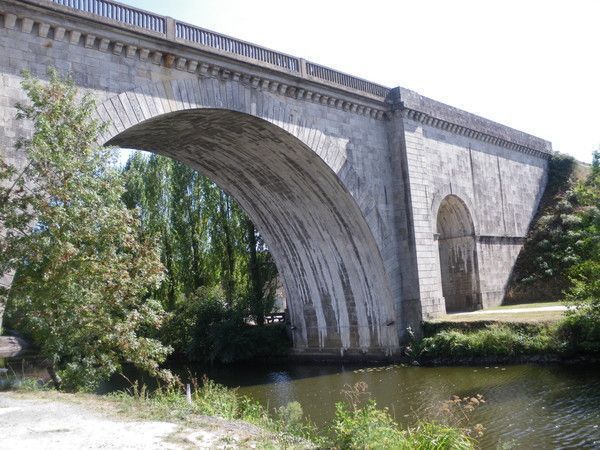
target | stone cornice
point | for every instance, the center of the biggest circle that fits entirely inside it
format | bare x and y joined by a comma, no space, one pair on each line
196,64
426,119
445,117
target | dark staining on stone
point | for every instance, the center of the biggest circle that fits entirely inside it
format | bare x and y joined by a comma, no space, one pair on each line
314,227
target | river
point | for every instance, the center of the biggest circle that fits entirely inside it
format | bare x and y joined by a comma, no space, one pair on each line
526,406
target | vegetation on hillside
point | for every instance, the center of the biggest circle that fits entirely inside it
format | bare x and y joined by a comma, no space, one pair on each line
583,323
553,244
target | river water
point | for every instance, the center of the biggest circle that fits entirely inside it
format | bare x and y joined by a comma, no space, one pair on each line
527,406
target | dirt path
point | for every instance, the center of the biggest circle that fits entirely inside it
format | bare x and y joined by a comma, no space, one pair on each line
52,421
521,313
28,423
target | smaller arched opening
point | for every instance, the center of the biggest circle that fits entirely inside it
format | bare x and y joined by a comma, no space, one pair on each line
458,256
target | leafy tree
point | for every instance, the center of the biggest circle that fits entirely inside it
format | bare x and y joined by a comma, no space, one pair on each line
84,268
208,245
219,270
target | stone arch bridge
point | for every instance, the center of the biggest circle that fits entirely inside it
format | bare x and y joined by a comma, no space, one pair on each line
381,207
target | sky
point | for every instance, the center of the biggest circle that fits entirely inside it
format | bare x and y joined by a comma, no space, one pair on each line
533,65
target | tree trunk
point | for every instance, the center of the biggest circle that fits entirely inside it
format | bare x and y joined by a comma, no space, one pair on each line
54,376
229,256
254,275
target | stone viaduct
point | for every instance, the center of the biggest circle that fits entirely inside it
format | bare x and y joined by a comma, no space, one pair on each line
381,207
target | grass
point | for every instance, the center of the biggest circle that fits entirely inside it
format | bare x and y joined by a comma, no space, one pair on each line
281,428
525,317
526,305
498,314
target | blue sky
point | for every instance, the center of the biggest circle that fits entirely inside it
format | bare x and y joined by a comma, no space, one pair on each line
533,65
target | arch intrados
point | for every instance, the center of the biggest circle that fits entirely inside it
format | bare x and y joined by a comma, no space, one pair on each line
453,218
319,238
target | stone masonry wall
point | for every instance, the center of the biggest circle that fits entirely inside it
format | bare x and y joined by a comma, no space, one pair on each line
501,189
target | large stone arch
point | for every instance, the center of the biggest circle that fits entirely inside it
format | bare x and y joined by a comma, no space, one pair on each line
289,177
457,246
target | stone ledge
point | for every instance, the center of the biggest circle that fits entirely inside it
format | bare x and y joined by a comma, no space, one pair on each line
430,112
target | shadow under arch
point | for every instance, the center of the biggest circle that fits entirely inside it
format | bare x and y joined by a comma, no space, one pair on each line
456,236
336,285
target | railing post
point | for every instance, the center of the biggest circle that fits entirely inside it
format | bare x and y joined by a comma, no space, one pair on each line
302,68
170,28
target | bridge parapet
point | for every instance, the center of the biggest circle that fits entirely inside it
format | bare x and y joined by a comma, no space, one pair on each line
119,13
144,22
353,93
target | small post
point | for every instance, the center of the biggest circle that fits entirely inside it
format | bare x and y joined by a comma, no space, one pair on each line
170,28
188,393
302,67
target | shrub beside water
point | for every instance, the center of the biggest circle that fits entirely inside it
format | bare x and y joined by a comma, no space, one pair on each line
493,340
578,333
358,424
365,427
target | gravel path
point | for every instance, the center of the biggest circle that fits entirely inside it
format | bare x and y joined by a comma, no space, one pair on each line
27,423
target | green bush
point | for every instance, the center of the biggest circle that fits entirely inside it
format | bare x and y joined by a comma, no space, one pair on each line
368,427
436,436
493,340
85,272
206,329
580,333
581,328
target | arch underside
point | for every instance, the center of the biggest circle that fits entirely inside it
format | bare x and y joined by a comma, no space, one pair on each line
332,270
458,255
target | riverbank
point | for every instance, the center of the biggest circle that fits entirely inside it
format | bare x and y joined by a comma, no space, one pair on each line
50,419
213,416
539,405
495,342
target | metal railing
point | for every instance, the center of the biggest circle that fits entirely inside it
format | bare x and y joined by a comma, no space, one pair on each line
119,13
333,76
225,43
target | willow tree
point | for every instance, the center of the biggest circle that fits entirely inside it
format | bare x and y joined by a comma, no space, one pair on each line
207,240
84,267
